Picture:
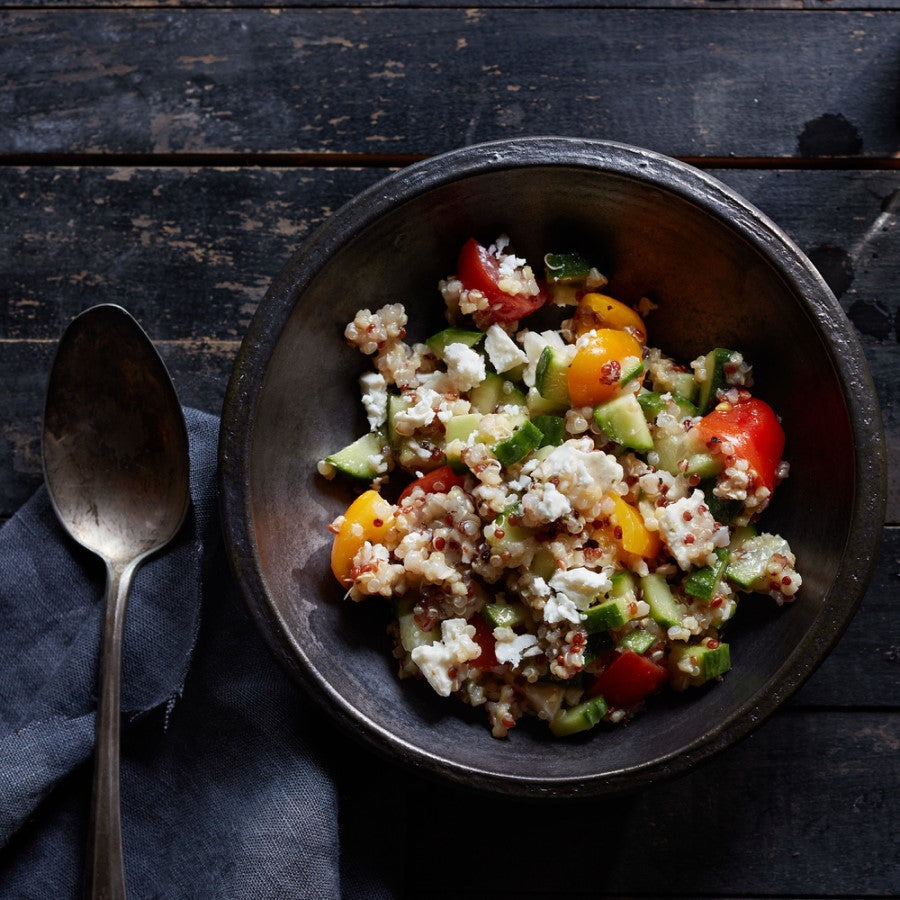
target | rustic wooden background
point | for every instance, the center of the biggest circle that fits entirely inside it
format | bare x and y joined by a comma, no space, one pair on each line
172,156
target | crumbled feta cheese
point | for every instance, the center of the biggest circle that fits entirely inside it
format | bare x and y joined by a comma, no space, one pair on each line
581,585
511,648
465,367
502,351
420,414
374,398
438,661
543,504
690,531
560,608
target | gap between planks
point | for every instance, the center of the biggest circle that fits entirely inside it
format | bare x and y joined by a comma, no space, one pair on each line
275,160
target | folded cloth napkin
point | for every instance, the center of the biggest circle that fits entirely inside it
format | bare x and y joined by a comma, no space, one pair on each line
232,785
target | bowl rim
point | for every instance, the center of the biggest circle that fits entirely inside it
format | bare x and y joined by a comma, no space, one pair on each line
690,184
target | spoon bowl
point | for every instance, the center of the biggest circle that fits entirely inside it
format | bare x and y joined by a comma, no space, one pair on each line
115,455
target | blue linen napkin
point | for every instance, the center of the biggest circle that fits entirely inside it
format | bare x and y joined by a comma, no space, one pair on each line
232,784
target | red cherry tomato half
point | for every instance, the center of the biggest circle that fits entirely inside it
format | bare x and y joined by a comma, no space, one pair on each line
484,637
629,679
438,481
754,431
479,270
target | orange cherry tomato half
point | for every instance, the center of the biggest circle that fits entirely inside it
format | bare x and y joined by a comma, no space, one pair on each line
368,518
595,311
754,431
479,270
635,537
596,371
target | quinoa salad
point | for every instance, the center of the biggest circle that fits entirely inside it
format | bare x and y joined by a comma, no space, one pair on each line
563,521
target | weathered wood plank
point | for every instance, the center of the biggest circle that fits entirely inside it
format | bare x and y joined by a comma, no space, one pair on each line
191,252
805,807
421,81
796,5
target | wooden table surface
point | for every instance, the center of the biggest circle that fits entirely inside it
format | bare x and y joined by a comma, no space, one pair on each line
172,156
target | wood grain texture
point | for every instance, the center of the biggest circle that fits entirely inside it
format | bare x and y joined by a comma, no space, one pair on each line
400,81
710,5
795,810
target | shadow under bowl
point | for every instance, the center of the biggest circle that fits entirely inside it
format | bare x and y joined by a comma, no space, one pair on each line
722,275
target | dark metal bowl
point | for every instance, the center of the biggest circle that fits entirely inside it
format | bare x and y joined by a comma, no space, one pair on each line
723,274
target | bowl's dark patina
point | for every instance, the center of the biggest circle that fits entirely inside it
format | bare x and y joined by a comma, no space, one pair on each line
723,275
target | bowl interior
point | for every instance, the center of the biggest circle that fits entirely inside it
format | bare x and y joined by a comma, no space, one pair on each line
713,288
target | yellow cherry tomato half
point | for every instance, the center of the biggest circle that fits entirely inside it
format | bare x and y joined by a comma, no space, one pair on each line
635,537
597,311
368,518
596,371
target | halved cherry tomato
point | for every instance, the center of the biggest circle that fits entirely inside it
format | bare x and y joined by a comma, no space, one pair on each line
596,311
368,518
484,637
629,679
754,431
438,481
479,270
597,367
635,536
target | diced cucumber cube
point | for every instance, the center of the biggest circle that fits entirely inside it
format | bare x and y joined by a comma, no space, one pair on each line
721,510
664,608
612,613
543,565
411,636
526,438
749,559
622,421
685,447
709,662
499,615
541,406
551,376
715,381
704,582
638,641
362,458
495,391
597,644
579,718
440,341
553,428
566,268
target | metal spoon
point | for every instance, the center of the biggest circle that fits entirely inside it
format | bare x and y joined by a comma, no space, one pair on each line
116,465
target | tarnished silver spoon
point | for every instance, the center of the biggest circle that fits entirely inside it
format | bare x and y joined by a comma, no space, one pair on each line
116,465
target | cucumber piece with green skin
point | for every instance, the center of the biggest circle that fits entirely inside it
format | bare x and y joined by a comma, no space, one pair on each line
551,376
632,369
541,406
715,381
579,718
504,615
664,608
439,342
553,428
709,661
543,565
618,610
685,448
501,535
749,559
411,636
623,422
597,644
683,384
721,510
652,404
525,438
361,458
459,428
638,641
495,391
704,582
405,454
566,268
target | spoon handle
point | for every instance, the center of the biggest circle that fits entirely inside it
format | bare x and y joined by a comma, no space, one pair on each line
106,866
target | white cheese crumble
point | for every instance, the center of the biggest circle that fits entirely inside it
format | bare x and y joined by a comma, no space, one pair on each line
690,531
465,367
582,586
560,608
502,351
374,398
420,414
511,648
438,661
